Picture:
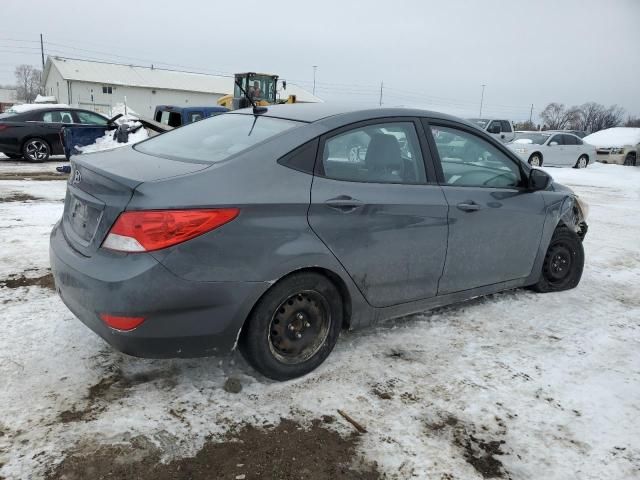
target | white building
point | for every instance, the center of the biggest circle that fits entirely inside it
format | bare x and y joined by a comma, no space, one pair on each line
99,86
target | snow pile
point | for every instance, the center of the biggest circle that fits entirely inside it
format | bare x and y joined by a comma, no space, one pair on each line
42,99
127,113
26,107
614,137
108,142
523,140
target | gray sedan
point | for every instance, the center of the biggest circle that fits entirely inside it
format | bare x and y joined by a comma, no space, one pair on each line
556,149
259,230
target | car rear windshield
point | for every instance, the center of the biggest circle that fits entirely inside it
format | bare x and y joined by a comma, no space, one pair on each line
216,138
8,114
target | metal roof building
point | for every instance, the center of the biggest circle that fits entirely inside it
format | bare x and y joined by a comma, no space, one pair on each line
99,86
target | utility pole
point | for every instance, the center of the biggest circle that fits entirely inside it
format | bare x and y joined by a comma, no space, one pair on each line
381,87
314,78
531,113
482,99
42,52
42,73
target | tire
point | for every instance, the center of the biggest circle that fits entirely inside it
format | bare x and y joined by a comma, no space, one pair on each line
563,262
36,150
13,156
583,162
293,327
630,160
535,160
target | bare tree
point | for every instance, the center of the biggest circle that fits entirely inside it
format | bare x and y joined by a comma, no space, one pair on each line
632,122
557,117
28,80
608,117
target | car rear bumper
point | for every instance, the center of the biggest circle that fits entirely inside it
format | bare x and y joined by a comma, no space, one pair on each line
182,318
617,159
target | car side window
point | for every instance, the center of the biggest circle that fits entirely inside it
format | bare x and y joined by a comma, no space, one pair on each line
470,161
57,116
506,126
377,153
557,139
569,140
494,125
578,141
89,118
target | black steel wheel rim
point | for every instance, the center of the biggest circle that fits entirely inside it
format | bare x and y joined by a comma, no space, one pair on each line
559,263
299,327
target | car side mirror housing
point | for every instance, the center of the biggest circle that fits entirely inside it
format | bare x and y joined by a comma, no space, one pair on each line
553,144
494,129
539,179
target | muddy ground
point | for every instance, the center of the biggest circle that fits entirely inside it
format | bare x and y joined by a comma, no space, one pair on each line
286,451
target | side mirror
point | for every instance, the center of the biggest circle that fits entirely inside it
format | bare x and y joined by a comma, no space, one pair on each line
539,179
553,144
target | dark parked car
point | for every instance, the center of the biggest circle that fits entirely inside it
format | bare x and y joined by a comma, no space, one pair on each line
252,230
175,116
37,134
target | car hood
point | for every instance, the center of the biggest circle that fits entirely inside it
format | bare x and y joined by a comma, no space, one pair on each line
559,187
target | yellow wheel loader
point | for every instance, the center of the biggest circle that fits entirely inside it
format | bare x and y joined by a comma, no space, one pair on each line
257,89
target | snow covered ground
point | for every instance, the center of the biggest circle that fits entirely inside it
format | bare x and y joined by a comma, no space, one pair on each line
555,377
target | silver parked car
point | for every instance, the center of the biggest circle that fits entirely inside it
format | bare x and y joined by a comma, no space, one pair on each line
553,149
619,145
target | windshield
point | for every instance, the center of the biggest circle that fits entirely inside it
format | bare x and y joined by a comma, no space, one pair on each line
481,122
537,138
258,87
216,138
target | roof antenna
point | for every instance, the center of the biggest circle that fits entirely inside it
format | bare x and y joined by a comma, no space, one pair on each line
256,109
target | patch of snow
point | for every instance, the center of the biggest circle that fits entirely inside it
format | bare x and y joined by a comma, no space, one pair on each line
42,99
523,140
614,137
107,142
26,107
553,376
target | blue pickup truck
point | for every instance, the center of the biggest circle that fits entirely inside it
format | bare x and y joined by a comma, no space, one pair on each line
177,116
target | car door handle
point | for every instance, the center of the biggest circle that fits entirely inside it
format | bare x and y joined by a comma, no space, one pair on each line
344,203
468,206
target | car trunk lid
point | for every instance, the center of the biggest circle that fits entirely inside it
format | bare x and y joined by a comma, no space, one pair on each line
101,185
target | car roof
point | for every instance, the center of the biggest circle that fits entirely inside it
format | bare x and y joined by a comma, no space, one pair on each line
313,112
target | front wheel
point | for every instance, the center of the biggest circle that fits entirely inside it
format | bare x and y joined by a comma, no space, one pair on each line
582,162
36,150
563,262
535,160
630,160
293,327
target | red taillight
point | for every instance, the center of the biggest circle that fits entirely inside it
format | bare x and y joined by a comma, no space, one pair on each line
148,230
4,126
121,323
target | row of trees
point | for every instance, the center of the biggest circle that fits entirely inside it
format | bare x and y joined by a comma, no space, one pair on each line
589,117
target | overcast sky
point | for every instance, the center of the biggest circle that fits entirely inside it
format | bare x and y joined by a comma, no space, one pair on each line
433,54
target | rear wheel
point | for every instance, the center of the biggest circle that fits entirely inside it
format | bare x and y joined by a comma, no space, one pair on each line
293,327
535,160
582,162
630,159
36,150
563,262
13,156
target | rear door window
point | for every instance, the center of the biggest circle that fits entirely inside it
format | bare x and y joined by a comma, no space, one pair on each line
216,138
557,139
506,126
376,153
